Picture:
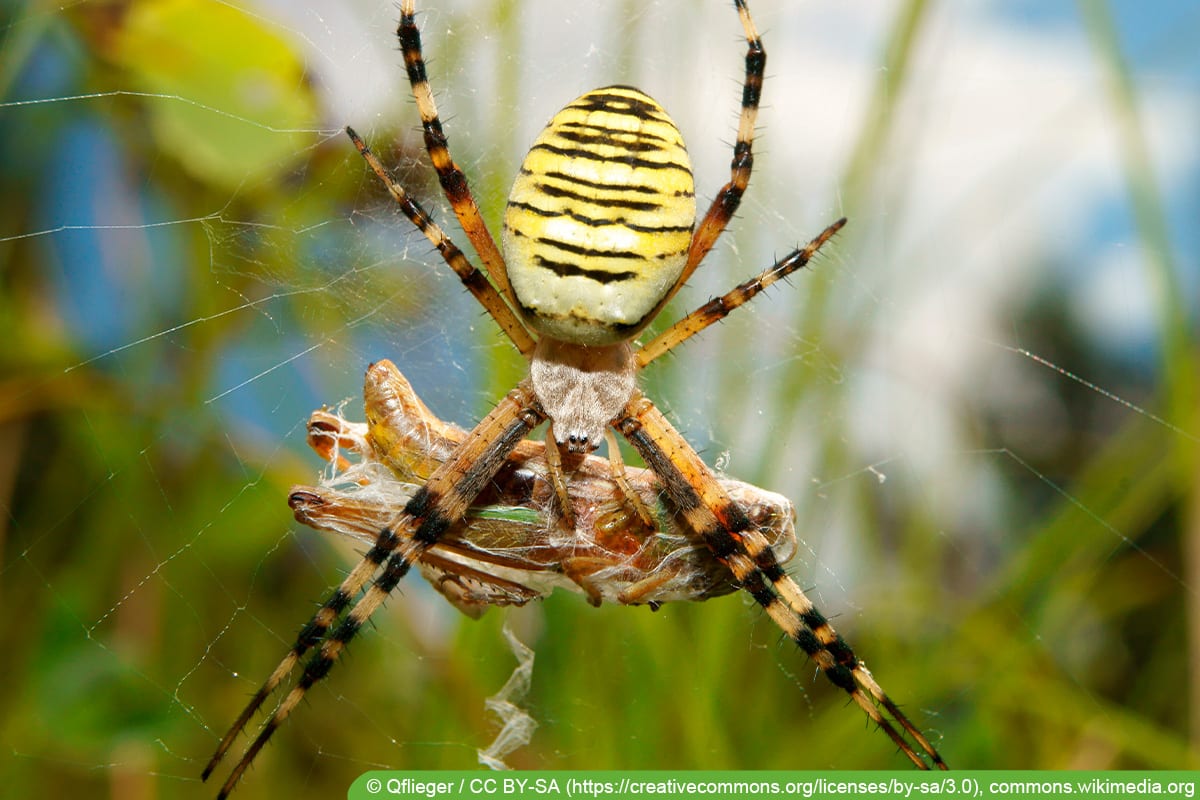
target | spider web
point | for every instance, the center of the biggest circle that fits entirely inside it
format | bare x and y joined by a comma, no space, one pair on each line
980,398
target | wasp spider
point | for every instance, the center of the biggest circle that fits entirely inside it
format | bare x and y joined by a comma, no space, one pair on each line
599,234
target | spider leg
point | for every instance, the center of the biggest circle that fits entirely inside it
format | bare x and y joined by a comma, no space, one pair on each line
475,281
391,404
617,465
726,203
454,182
558,479
717,309
436,506
312,633
728,532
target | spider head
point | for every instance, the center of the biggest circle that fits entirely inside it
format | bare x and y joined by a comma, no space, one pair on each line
581,389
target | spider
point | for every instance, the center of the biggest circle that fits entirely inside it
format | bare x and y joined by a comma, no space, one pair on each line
599,234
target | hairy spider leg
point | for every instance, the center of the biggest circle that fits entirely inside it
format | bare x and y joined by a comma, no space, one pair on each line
726,203
436,506
472,278
718,308
724,527
451,177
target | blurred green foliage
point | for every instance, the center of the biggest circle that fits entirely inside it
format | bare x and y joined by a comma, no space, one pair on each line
160,368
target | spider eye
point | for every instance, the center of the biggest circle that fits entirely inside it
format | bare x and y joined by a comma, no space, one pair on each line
600,218
578,442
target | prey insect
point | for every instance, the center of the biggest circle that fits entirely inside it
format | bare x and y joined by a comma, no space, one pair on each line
599,233
507,549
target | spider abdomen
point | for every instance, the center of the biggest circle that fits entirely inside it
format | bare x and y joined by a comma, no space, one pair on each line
600,218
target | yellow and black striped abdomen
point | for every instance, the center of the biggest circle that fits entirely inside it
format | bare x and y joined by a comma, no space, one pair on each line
600,218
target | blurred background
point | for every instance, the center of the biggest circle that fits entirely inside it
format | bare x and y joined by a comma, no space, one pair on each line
982,397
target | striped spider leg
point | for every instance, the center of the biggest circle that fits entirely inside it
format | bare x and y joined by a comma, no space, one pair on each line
433,509
599,233
507,551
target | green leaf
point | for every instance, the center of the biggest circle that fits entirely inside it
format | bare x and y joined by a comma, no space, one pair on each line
238,106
